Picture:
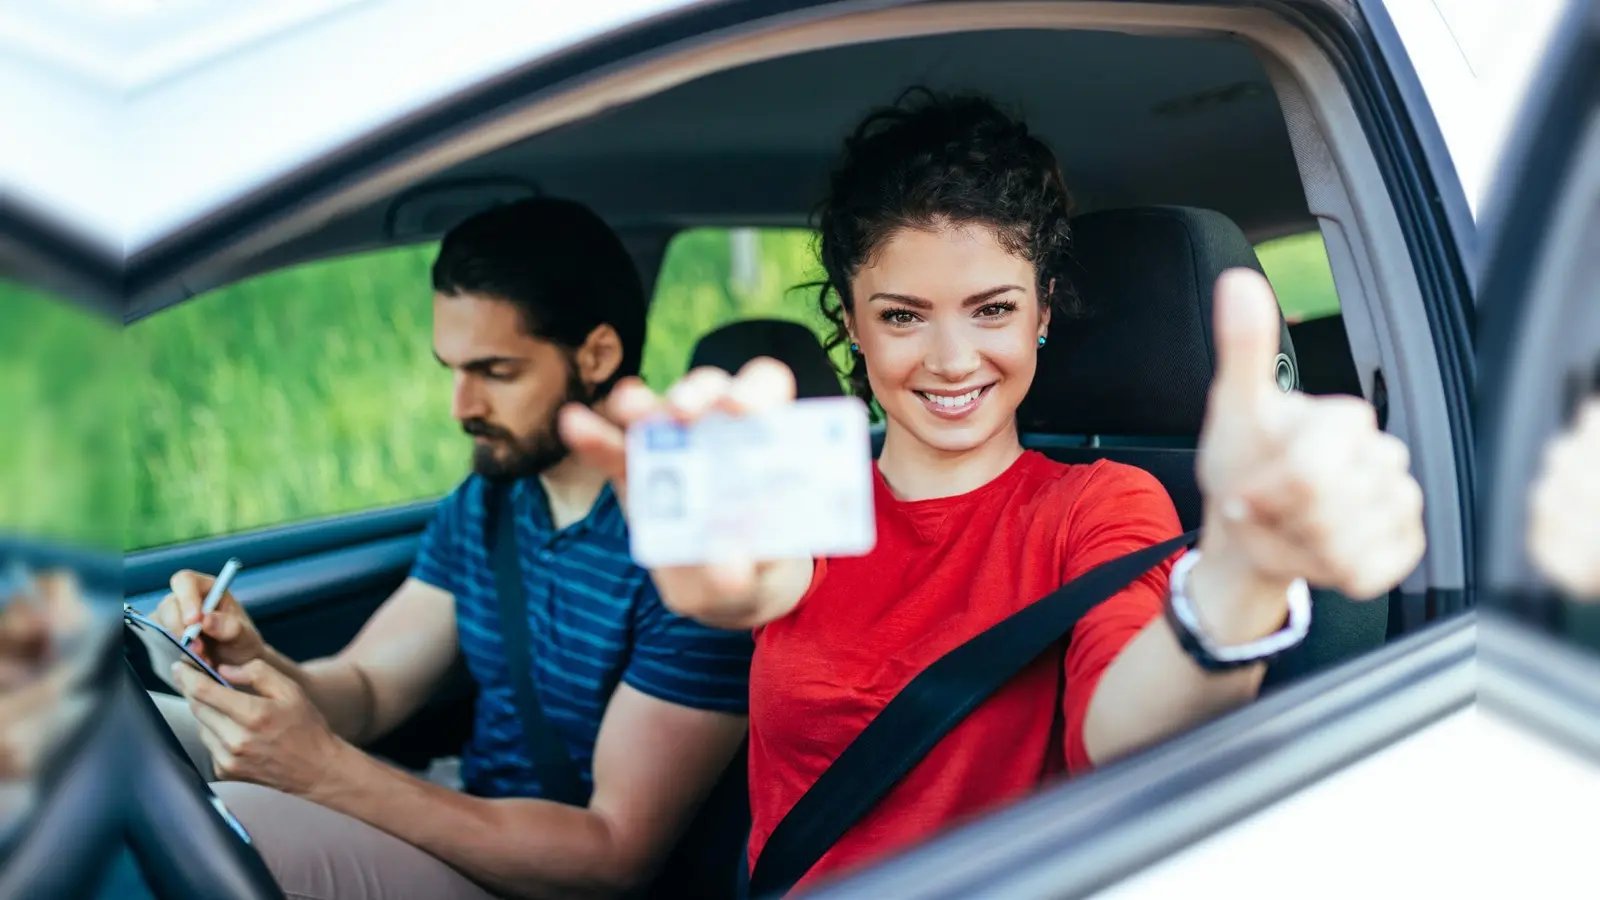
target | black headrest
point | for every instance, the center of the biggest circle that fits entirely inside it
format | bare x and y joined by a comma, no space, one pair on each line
731,346
1141,361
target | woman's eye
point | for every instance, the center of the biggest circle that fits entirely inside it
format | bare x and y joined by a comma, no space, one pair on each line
995,310
899,317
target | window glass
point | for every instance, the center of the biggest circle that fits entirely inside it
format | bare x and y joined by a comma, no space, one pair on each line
711,277
302,393
1298,268
61,459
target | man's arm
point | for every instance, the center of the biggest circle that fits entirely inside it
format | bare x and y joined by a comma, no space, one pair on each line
654,764
394,663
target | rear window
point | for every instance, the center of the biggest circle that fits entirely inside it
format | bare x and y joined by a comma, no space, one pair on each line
711,277
1298,268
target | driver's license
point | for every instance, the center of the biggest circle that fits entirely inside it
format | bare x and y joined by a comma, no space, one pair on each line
792,483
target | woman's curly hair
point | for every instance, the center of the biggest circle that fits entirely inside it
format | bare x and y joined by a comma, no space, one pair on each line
929,160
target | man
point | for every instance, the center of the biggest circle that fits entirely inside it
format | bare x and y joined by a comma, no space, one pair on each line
536,304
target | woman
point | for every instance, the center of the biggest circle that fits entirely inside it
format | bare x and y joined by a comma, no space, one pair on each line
944,238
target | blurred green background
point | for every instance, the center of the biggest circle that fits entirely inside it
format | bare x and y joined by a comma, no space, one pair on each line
63,465
312,391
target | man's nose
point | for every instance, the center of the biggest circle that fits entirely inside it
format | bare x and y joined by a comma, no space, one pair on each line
466,400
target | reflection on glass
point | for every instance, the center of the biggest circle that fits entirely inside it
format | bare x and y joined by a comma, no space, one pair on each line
1564,509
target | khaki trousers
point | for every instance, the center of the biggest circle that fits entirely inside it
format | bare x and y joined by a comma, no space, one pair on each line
316,853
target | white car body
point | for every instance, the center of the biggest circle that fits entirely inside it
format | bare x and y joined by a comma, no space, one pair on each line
184,95
1527,826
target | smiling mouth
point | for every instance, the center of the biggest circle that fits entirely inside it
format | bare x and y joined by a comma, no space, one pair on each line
953,406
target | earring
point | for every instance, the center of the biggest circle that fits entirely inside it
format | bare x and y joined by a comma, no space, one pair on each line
1041,340
855,347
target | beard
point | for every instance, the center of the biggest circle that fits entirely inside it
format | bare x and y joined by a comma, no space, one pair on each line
508,457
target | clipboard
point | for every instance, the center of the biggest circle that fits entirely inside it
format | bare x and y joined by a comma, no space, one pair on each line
164,648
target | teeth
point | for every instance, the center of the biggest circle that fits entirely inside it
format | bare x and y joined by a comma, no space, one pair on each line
953,402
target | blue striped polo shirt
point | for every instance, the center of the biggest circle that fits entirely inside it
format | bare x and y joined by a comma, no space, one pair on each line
594,620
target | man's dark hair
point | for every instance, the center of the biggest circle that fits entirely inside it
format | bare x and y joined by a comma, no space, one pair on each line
559,264
931,159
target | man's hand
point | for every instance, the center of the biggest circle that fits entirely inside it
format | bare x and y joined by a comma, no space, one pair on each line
736,594
271,735
1294,486
1564,509
227,636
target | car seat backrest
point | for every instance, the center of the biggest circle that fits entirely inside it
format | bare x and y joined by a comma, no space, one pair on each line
728,348
1137,365
1140,360
1129,380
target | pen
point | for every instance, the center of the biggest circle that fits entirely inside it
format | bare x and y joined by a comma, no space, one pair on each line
218,588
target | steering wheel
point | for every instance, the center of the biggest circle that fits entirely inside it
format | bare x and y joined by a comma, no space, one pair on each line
186,841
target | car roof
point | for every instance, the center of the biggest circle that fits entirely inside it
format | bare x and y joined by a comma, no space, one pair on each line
143,116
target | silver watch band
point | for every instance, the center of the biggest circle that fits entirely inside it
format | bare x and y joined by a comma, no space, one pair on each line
1183,611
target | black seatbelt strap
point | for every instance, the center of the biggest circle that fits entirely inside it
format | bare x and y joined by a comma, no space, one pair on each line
552,763
935,701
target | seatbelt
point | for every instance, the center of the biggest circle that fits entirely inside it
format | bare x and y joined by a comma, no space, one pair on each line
552,763
935,701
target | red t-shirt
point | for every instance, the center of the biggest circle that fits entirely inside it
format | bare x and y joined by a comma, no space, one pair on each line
944,570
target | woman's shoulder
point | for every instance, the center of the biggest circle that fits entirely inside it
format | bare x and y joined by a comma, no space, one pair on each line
1073,499
1102,479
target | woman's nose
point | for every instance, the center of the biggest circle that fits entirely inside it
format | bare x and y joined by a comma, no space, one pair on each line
952,355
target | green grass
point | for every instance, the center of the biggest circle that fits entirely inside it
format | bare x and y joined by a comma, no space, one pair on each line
311,391
63,470
1297,266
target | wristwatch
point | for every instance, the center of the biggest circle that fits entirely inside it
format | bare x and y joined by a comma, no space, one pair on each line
1215,657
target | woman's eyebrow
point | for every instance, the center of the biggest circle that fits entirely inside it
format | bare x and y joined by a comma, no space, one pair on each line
919,303
907,299
990,294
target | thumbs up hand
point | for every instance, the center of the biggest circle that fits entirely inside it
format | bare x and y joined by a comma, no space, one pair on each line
1564,509
1295,486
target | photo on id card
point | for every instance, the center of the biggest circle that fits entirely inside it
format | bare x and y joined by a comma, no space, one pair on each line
792,483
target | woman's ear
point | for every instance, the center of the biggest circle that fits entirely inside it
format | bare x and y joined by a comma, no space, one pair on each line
850,328
1046,306
600,356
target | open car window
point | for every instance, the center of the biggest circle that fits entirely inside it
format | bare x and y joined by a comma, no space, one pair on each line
298,394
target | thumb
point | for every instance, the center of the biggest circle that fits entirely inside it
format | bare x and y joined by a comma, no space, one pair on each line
594,439
220,628
1246,335
259,677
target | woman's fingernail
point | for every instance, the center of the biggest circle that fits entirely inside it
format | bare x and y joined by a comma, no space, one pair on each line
1234,509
